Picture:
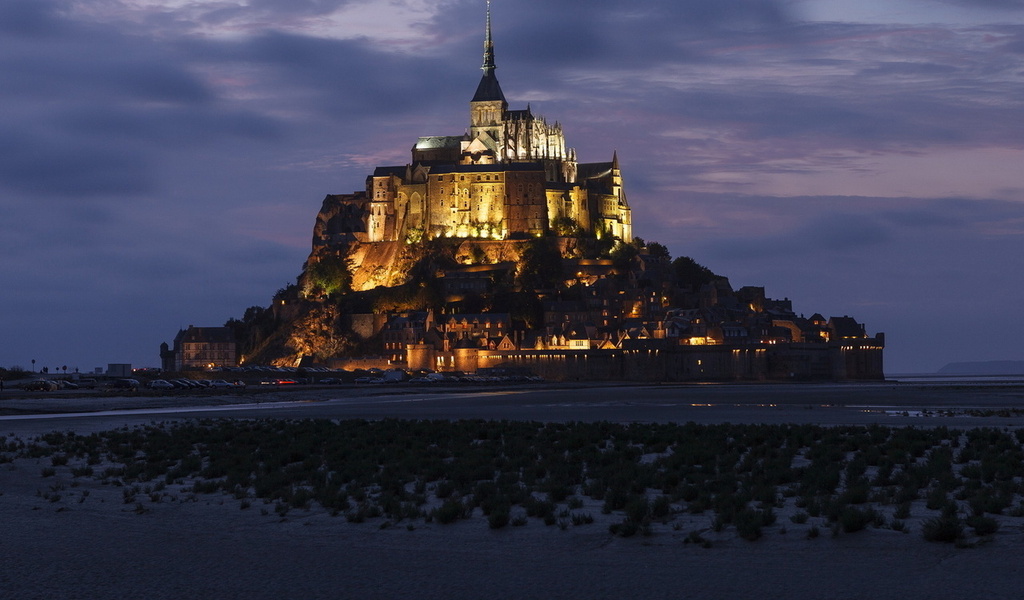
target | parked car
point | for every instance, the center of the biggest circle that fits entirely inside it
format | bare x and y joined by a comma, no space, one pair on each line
124,384
40,385
160,384
220,384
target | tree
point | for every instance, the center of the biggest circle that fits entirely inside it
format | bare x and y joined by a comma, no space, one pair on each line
567,227
690,273
623,254
330,275
540,265
658,250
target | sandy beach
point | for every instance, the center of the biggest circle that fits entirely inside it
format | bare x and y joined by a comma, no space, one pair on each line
76,537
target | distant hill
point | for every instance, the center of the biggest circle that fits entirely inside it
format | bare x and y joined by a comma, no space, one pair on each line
988,367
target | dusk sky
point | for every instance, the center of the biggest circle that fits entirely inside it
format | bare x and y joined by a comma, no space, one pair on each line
162,161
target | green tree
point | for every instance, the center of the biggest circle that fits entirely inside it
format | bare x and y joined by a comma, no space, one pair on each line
330,275
567,227
623,254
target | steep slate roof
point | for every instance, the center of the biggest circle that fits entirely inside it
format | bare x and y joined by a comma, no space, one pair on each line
846,327
209,335
590,170
385,171
489,89
427,142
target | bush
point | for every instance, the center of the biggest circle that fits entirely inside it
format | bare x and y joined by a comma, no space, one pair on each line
626,528
943,529
581,518
854,519
661,507
748,524
449,512
498,518
983,525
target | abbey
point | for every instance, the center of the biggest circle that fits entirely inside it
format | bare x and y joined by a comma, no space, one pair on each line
509,176
497,250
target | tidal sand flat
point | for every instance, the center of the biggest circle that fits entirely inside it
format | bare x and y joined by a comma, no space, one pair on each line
511,509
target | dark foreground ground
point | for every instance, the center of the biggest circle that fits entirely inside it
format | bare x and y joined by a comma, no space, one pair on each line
95,546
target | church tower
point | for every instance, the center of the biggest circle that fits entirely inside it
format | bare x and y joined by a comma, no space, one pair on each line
487,109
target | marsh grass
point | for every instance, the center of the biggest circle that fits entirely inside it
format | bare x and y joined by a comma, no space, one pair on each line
644,476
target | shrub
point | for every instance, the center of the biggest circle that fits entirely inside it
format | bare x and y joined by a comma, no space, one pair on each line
449,512
943,529
695,538
661,507
854,519
498,518
444,489
983,525
637,509
538,508
626,528
799,518
936,499
581,518
748,524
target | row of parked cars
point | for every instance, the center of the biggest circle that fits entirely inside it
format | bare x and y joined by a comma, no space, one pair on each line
52,385
49,385
186,384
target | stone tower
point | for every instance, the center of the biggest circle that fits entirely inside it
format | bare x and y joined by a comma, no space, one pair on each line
488,107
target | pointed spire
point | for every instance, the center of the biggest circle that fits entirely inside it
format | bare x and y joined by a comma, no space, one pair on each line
615,159
489,65
488,90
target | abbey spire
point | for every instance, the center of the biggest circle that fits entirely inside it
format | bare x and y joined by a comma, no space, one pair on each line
488,90
488,45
